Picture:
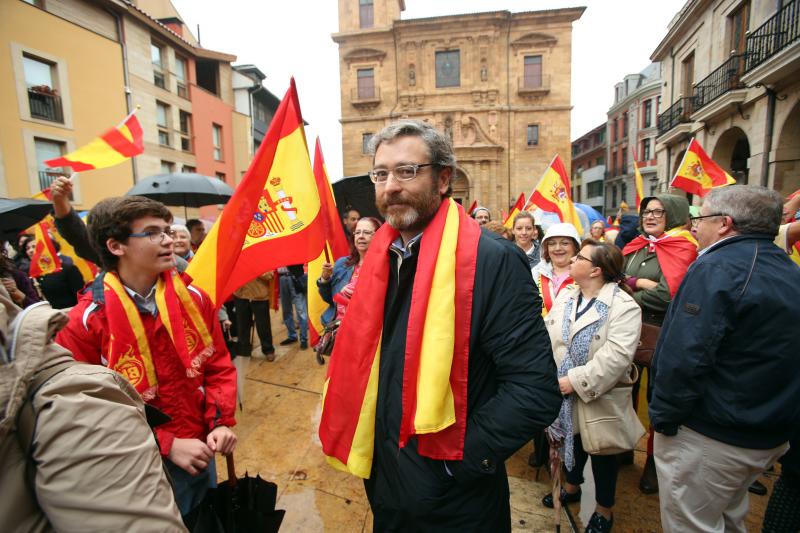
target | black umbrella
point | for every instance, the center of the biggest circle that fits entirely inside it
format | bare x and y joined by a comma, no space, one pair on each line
19,214
183,188
238,505
356,192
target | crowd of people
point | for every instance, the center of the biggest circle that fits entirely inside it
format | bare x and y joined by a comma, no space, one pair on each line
455,341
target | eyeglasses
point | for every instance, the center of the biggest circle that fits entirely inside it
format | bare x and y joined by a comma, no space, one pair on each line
696,220
156,236
655,213
579,257
400,172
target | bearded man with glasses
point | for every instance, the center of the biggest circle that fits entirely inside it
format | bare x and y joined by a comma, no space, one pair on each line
442,367
146,321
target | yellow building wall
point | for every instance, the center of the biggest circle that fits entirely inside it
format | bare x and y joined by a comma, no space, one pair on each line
91,85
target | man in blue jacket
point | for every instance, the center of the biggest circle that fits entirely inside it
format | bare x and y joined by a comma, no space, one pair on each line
726,393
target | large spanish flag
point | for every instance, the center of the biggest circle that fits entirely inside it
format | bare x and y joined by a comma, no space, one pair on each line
273,218
45,260
515,209
638,184
335,245
553,194
111,148
698,173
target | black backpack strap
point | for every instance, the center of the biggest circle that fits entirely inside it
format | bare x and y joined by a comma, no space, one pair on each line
26,418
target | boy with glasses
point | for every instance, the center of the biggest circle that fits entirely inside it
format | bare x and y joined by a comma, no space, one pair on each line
145,321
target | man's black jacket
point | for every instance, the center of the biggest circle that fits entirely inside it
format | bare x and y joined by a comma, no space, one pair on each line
512,392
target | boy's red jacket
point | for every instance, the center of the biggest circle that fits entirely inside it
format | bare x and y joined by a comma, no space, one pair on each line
195,405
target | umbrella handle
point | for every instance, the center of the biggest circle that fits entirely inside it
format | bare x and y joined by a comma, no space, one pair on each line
231,470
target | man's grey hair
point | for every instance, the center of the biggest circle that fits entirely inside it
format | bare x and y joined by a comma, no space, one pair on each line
180,227
439,145
754,209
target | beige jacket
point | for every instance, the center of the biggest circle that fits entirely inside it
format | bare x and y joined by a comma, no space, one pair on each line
258,289
98,467
610,352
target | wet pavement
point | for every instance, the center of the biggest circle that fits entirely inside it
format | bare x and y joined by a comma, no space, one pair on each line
277,431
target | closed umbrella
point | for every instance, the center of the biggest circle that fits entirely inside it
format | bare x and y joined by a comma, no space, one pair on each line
183,188
19,214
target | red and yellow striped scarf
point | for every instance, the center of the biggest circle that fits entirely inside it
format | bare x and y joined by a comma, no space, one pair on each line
129,351
434,395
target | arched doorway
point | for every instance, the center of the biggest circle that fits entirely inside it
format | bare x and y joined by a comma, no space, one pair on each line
787,155
460,185
732,152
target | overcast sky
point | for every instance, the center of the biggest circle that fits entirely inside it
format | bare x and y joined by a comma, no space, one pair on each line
293,38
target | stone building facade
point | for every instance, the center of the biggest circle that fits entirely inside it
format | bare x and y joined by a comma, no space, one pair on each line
498,83
632,136
730,79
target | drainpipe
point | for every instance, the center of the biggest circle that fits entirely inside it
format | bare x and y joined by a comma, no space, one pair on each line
508,103
769,126
125,74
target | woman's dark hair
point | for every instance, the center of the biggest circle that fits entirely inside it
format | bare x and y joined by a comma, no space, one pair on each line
112,218
23,242
353,258
608,259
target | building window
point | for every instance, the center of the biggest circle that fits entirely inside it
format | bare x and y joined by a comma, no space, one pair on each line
614,196
614,130
623,196
624,163
220,176
600,161
624,124
162,121
737,22
448,69
186,131
181,76
658,105
594,189
533,71
157,58
613,163
188,169
365,139
533,134
366,83
646,150
43,97
167,167
647,114
260,112
578,195
365,14
47,149
217,137
687,69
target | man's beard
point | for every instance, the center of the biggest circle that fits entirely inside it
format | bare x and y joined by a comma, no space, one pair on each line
412,213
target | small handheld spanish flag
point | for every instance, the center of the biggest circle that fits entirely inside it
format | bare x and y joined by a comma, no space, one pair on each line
111,148
698,173
45,259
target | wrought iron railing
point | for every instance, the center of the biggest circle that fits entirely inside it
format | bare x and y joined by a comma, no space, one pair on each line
725,78
45,106
778,32
677,113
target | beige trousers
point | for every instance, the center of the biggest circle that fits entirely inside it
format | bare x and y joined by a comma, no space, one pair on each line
703,482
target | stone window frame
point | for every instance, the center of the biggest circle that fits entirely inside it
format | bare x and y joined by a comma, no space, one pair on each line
18,51
29,137
366,66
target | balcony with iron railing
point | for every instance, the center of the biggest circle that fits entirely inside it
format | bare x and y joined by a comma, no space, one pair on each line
726,78
365,96
45,105
773,36
533,85
678,113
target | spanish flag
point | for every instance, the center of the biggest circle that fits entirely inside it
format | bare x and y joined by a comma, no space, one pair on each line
111,148
675,250
45,260
698,173
518,206
335,245
638,184
553,194
472,207
273,218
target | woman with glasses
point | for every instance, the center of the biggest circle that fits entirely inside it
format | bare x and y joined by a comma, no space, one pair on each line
338,280
551,275
655,263
526,236
594,328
